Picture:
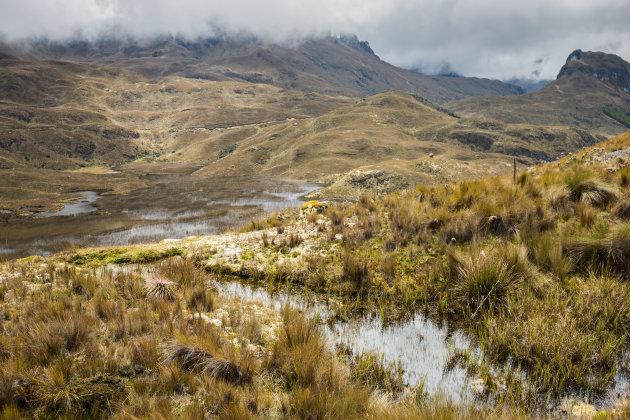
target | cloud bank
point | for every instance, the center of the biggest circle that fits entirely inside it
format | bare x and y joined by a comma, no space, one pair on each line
486,38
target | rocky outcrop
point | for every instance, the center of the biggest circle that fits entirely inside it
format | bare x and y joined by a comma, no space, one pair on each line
360,181
607,68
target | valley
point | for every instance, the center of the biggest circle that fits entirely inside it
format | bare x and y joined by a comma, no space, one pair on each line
465,254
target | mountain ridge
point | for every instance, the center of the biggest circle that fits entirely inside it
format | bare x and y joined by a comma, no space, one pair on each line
341,65
588,83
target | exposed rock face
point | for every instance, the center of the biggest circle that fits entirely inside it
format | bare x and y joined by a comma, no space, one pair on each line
607,68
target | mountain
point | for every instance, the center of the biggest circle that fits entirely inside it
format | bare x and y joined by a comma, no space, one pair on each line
60,115
336,65
391,131
607,68
63,115
587,84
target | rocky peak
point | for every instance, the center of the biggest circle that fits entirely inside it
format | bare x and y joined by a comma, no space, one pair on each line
354,42
608,68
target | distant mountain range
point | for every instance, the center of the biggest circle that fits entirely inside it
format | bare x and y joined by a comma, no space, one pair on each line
63,115
302,111
588,84
340,65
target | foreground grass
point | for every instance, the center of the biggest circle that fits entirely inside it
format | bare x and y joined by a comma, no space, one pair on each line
158,342
535,268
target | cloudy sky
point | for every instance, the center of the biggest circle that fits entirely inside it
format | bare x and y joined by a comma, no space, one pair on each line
488,38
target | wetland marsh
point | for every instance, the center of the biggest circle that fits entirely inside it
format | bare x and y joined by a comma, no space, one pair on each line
171,204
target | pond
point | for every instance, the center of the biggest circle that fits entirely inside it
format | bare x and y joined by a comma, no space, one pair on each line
82,205
173,206
420,345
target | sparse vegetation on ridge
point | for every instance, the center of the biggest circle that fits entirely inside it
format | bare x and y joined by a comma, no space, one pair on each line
622,117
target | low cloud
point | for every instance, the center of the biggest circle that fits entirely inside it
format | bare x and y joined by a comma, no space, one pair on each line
486,38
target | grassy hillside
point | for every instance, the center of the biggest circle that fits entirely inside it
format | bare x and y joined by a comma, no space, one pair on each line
619,116
64,116
392,131
60,115
576,98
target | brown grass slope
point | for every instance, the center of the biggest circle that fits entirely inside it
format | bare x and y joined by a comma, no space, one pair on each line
332,65
588,82
59,114
393,131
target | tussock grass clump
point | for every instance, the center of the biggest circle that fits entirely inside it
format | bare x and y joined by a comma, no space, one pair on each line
622,209
159,288
586,214
372,370
336,216
547,252
200,299
320,385
482,282
293,240
609,252
565,337
58,391
55,337
388,265
182,271
355,269
273,221
459,230
583,186
201,361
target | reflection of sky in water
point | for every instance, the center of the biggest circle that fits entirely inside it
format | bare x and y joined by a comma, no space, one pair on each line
165,214
82,205
276,200
174,223
267,201
420,345
172,230
175,228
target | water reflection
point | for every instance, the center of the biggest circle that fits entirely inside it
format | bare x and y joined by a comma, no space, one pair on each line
82,205
420,345
173,207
